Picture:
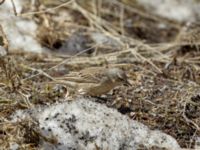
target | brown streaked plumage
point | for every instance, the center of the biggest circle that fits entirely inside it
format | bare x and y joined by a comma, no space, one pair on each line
94,81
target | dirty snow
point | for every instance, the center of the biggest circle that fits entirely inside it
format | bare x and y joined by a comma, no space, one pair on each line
179,10
83,124
20,32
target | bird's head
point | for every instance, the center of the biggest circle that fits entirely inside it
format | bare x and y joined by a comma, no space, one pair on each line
117,75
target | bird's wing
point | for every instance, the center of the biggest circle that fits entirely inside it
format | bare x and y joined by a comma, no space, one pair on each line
89,75
92,74
82,78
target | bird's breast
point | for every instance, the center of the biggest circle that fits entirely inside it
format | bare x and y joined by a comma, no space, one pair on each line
99,89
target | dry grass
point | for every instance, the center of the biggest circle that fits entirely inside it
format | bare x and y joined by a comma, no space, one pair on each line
165,76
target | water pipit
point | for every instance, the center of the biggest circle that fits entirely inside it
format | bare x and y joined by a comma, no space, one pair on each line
94,81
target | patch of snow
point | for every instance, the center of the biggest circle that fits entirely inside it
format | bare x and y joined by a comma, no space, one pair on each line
179,10
84,124
20,32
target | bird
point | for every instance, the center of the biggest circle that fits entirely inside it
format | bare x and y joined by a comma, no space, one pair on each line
94,81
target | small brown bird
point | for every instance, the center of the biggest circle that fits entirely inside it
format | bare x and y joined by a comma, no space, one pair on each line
95,81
